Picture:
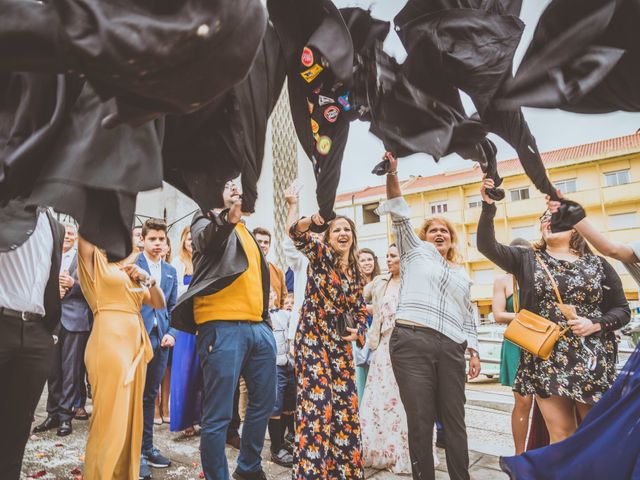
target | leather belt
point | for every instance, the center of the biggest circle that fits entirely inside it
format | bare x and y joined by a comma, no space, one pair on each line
27,316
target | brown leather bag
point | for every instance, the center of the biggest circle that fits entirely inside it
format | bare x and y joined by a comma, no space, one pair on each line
530,331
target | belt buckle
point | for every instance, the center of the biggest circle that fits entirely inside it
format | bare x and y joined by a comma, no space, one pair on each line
24,316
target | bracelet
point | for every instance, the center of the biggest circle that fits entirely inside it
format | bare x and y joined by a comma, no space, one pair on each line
474,354
395,172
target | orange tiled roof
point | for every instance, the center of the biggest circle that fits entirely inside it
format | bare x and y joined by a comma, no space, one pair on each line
577,154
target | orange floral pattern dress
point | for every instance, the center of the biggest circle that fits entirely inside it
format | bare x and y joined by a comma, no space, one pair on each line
328,444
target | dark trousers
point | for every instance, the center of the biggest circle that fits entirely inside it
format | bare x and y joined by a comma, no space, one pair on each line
430,371
66,378
25,353
227,350
155,372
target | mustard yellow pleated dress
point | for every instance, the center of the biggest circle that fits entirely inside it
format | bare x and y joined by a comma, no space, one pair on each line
116,357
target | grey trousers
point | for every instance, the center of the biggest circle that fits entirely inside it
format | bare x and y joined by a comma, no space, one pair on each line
430,371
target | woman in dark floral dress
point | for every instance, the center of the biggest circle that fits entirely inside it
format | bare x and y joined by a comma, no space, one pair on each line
327,427
582,366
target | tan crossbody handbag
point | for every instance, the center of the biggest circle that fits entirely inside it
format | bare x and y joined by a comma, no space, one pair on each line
530,331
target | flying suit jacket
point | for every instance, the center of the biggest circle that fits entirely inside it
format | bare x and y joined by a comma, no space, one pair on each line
584,57
203,150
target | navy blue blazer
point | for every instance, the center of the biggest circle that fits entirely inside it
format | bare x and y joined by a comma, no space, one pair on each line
76,314
169,286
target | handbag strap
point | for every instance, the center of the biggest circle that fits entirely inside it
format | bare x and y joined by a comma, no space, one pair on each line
553,281
515,295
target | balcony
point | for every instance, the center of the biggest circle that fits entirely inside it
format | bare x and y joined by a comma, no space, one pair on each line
627,193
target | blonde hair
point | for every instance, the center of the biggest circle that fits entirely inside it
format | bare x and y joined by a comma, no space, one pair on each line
453,255
185,256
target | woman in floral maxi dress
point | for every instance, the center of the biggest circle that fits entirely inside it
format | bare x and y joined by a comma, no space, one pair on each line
327,442
385,436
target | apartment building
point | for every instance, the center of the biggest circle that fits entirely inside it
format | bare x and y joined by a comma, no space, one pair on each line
603,176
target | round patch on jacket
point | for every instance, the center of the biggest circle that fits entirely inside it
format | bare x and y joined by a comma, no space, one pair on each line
324,145
307,57
331,113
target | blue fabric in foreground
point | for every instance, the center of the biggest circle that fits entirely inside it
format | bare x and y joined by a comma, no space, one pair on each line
606,445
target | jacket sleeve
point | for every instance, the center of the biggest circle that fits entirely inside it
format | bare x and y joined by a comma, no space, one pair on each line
507,258
75,291
208,237
615,307
171,302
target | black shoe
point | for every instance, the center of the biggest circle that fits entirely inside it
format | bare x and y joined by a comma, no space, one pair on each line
282,458
145,471
288,446
260,475
65,428
155,459
234,442
49,424
289,438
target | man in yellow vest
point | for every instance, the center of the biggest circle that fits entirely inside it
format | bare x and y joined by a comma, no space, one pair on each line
226,305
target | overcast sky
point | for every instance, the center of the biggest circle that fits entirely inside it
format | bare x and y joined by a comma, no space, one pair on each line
552,128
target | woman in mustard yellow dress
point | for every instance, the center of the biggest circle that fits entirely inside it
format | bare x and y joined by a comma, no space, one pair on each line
116,357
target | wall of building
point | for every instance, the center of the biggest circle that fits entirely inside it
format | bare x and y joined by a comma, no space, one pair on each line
614,209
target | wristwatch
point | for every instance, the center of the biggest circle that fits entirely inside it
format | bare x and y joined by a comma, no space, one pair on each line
474,354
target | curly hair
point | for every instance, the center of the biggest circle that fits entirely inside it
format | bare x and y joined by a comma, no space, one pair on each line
453,255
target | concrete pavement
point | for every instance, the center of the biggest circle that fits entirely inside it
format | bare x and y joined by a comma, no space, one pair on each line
52,457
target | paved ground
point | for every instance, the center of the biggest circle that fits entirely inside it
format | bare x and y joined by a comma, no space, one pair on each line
61,459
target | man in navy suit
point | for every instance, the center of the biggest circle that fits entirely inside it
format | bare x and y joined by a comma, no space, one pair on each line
157,323
67,372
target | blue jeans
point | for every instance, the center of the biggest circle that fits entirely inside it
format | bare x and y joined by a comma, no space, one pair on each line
227,350
155,372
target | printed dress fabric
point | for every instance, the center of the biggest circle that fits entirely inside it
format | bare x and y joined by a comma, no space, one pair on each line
327,425
606,445
566,373
385,435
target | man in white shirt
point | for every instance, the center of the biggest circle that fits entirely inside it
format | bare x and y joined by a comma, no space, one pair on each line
30,254
67,365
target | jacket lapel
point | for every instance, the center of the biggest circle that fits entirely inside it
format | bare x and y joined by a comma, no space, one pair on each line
141,261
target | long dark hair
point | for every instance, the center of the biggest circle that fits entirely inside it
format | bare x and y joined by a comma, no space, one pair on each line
376,264
353,251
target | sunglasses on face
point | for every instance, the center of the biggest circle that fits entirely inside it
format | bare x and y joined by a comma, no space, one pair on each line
545,217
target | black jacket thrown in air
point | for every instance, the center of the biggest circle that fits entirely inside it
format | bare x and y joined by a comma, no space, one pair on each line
218,260
521,263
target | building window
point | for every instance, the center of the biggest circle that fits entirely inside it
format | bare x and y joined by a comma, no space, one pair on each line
369,214
621,221
474,201
483,277
519,194
528,233
438,208
473,239
566,186
620,177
